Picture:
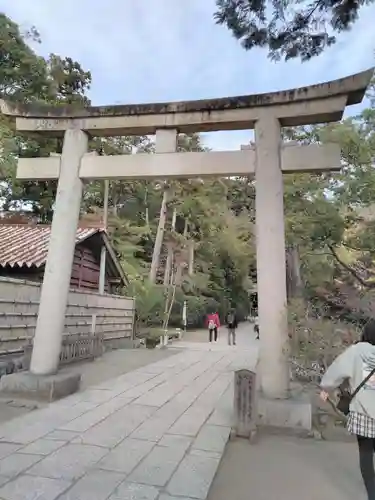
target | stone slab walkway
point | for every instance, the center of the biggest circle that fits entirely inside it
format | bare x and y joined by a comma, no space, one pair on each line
156,433
288,468
111,364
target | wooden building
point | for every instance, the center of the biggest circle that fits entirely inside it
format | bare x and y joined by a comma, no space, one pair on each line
24,248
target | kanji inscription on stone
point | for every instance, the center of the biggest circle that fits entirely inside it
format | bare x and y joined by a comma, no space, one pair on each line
245,402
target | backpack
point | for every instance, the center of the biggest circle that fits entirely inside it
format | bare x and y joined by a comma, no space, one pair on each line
230,319
211,324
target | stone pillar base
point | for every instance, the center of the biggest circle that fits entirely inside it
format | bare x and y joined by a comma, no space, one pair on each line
292,414
40,387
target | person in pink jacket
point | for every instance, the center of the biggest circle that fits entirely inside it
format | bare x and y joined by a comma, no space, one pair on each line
213,324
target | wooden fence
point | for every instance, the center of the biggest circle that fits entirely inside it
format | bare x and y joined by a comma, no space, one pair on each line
109,317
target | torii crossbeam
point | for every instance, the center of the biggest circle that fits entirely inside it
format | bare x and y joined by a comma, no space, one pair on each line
294,158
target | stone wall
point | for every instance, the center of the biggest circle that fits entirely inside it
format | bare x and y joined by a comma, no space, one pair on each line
110,315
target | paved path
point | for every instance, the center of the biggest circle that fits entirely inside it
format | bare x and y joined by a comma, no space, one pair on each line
245,338
114,363
287,468
111,364
157,432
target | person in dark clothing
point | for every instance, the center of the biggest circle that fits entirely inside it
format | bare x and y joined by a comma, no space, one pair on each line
232,324
256,329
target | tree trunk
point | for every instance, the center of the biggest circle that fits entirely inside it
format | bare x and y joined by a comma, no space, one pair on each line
159,237
191,258
114,198
178,275
147,218
293,271
363,282
169,263
169,301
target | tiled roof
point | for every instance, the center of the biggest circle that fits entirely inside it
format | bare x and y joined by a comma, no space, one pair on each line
27,245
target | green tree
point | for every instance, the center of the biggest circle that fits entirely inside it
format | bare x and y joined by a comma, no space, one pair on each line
69,82
186,143
288,29
331,217
26,77
22,72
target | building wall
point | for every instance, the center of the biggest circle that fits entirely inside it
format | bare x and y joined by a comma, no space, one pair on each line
85,272
31,274
112,315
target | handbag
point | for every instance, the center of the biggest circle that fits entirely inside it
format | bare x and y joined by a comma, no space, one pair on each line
343,404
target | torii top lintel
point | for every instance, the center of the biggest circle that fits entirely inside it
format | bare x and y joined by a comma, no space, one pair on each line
320,103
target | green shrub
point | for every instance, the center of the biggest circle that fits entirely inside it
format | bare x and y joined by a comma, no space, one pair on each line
151,342
150,303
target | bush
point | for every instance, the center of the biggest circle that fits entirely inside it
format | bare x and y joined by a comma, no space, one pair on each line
151,342
150,303
197,309
316,340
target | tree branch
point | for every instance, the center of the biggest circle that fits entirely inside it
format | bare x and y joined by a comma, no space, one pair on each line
348,268
356,249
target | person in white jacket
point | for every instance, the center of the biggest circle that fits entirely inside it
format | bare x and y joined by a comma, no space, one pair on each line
355,364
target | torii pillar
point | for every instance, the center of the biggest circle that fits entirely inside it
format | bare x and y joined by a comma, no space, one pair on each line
58,269
273,159
270,257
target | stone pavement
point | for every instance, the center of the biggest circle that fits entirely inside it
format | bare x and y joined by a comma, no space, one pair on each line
157,432
111,364
288,468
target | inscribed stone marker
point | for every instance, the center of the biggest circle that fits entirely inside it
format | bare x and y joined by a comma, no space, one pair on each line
245,403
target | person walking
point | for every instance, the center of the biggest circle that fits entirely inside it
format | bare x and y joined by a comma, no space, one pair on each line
213,324
232,324
256,328
356,365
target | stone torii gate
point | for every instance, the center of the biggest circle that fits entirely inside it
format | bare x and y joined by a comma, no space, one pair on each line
266,113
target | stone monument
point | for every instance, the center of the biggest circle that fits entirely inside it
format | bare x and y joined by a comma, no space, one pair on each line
245,407
266,113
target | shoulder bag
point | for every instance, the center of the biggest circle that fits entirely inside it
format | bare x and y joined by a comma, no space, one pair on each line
346,398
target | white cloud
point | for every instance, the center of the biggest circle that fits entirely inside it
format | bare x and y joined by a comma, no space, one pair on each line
161,50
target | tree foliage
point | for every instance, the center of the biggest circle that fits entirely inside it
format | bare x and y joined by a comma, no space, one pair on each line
27,77
289,29
22,72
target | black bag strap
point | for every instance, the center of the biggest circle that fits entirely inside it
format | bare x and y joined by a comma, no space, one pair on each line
364,381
